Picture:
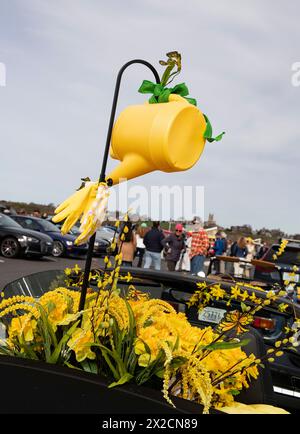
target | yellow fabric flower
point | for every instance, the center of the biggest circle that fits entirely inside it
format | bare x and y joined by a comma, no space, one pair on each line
235,292
80,343
218,292
24,327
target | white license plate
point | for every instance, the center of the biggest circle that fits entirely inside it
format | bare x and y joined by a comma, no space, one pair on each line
290,277
211,314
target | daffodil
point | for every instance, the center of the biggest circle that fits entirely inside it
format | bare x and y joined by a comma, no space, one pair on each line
237,321
283,307
218,292
235,292
253,298
81,342
77,269
23,327
244,295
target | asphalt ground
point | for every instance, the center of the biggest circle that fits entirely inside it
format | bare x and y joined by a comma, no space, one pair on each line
12,269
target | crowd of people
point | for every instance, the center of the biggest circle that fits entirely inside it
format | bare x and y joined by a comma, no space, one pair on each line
22,211
184,250
35,213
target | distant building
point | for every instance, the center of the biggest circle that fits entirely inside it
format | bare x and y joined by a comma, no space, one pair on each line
210,222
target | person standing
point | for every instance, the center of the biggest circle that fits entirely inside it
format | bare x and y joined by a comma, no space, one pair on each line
239,250
174,245
153,243
220,248
199,247
222,263
250,255
262,250
186,261
127,244
140,246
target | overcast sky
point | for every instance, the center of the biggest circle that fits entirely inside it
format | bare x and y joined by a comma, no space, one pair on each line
62,57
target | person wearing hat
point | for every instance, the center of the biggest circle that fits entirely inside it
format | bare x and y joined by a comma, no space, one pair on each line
140,246
199,248
173,246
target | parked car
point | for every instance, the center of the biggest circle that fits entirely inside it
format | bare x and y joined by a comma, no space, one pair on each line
63,245
104,238
286,268
16,241
101,244
177,288
107,233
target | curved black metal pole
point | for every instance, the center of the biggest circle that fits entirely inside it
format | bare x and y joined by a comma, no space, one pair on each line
89,256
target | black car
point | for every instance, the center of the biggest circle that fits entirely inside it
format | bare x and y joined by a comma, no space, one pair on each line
16,241
63,245
283,268
101,244
177,288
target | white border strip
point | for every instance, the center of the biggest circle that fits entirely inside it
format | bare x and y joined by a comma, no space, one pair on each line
286,392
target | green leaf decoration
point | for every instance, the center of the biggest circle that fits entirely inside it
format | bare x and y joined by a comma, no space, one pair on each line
192,101
180,89
147,87
164,96
160,373
244,307
208,132
124,379
227,345
158,89
178,361
161,93
89,366
152,100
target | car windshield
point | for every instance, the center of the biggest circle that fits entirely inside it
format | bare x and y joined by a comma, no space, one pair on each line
48,226
35,285
8,222
75,230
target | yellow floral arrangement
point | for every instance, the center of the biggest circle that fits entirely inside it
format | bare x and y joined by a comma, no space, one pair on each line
281,249
128,337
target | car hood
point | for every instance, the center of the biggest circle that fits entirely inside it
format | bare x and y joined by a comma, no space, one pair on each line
28,233
59,236
101,240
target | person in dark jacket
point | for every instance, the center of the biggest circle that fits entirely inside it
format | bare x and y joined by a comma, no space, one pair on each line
220,248
174,245
239,250
153,243
262,251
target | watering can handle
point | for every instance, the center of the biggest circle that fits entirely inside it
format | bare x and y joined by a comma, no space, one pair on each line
103,169
114,107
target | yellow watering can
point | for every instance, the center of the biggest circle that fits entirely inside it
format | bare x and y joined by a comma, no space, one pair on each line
163,136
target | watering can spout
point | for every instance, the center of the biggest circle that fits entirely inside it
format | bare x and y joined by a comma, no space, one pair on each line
132,166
